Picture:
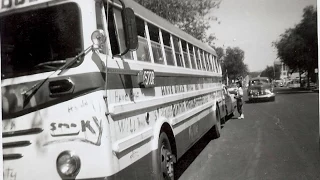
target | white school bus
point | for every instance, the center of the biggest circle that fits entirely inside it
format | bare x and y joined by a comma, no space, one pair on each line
96,89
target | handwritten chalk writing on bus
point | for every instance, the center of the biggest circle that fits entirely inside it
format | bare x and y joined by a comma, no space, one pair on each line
72,129
176,109
165,90
146,78
131,124
193,131
9,174
74,108
128,95
64,129
8,125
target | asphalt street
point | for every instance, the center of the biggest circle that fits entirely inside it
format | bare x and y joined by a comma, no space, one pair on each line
275,141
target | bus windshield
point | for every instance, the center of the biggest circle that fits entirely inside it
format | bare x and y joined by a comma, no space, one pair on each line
42,35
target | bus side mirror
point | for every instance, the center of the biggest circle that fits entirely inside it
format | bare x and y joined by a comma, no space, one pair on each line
130,29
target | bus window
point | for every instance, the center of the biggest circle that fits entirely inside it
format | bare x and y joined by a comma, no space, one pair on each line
185,53
155,44
177,51
167,48
192,58
143,49
208,65
211,61
203,64
216,64
198,58
121,36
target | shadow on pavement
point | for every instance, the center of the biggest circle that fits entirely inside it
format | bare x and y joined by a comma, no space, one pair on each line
293,91
257,101
185,161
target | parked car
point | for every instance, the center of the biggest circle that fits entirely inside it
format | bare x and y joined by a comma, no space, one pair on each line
232,88
278,83
229,102
260,88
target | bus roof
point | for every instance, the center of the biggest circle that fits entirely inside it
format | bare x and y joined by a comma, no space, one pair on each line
162,23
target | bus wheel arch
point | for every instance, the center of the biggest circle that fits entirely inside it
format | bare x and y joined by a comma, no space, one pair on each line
163,136
216,129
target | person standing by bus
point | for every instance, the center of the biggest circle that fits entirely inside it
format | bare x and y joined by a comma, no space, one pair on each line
239,97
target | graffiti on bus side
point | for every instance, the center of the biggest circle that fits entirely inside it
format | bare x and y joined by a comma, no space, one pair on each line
193,131
9,174
178,108
166,90
128,95
136,123
131,124
92,132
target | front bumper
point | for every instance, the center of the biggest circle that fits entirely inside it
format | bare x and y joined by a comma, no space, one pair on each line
266,96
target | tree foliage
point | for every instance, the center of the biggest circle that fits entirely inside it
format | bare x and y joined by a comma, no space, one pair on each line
254,74
192,16
233,63
298,46
272,72
220,52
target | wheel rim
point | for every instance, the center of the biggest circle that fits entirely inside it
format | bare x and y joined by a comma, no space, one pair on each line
166,159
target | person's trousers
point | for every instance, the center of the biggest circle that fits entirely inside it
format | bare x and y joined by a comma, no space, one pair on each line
239,106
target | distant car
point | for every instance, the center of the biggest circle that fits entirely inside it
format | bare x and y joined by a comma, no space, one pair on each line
278,83
260,88
229,102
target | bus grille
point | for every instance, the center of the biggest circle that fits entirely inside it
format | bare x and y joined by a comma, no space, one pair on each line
17,144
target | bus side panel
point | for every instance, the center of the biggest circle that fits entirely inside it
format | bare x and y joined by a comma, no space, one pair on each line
139,170
202,123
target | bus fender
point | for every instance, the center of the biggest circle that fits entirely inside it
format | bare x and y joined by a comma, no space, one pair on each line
156,131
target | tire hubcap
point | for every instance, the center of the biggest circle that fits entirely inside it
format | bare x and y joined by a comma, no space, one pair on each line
166,163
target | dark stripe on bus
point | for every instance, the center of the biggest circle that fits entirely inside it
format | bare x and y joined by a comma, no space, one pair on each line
127,81
85,83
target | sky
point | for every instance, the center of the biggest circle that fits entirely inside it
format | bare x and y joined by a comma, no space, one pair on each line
253,25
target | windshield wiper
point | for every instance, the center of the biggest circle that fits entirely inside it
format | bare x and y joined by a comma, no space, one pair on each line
27,94
51,64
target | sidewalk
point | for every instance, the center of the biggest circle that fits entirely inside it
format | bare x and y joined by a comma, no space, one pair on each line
314,89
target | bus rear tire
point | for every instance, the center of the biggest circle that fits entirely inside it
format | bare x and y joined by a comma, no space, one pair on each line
217,126
166,158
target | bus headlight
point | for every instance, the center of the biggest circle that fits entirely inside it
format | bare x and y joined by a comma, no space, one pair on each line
68,164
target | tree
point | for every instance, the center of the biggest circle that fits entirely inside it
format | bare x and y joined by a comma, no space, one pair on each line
298,46
233,63
220,52
271,72
192,16
254,74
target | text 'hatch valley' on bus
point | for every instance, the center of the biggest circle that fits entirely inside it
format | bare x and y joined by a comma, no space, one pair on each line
96,89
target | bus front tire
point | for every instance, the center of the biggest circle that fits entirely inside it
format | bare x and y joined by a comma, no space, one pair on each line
166,158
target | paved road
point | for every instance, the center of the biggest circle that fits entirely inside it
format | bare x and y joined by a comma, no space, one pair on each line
276,141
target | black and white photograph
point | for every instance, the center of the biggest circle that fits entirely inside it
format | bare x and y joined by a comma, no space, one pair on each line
159,90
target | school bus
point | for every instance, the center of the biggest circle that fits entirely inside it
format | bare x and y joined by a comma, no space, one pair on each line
98,89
